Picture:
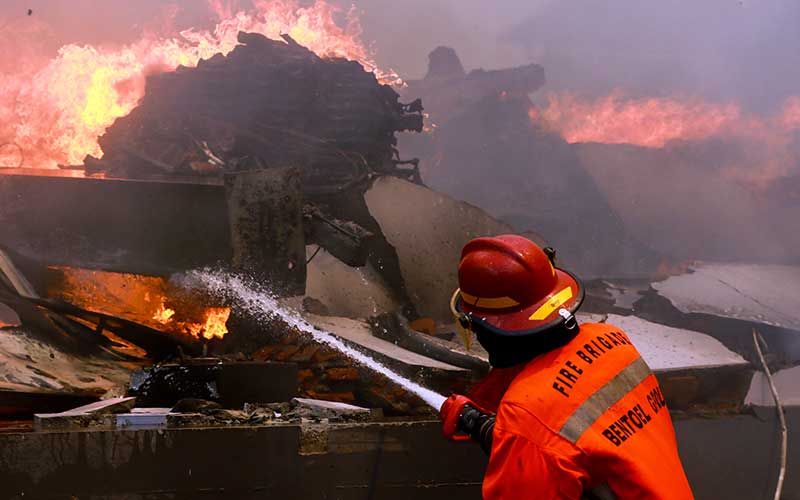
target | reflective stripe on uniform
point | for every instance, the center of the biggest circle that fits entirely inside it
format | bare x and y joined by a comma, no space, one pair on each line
603,399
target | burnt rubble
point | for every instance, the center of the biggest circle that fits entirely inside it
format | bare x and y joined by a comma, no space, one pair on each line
268,103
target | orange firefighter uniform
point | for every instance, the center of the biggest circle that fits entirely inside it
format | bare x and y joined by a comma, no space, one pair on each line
578,412
589,416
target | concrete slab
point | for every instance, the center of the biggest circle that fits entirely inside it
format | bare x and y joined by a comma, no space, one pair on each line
151,411
66,421
667,348
148,420
761,293
787,382
591,317
138,226
359,333
8,317
113,405
352,292
624,295
99,413
428,229
333,410
329,405
17,280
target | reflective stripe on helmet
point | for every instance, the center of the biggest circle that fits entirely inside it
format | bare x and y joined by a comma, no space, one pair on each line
603,399
488,302
551,305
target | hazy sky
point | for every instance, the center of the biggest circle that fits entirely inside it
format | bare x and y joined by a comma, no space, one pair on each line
405,31
727,50
741,50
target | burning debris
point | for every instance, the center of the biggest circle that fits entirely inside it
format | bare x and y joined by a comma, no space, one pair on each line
147,300
337,134
266,104
52,110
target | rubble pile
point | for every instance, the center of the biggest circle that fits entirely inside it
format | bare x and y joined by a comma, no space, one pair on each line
268,103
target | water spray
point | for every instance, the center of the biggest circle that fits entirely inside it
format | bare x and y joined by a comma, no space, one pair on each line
261,305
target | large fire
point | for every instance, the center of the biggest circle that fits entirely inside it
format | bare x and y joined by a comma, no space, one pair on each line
52,112
654,122
648,122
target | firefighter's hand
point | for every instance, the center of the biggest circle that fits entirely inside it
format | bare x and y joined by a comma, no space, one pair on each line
451,413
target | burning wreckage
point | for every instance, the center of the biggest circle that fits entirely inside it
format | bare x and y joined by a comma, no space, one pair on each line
273,166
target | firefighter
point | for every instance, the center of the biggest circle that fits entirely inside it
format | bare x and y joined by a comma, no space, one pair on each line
568,411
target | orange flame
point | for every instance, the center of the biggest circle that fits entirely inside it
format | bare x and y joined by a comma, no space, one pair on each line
654,122
56,112
141,299
648,122
163,314
213,324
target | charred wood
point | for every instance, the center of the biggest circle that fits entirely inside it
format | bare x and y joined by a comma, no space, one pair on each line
265,218
345,240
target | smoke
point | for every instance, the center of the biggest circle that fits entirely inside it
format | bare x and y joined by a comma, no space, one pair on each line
722,50
710,86
694,105
404,32
99,22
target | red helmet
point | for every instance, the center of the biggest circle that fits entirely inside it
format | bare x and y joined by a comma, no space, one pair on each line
510,286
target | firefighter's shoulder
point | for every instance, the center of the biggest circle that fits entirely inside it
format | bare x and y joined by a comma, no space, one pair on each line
554,385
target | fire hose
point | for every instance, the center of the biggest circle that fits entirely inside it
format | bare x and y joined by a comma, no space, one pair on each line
478,425
463,420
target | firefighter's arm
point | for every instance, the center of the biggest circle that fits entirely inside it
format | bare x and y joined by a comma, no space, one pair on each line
521,469
529,460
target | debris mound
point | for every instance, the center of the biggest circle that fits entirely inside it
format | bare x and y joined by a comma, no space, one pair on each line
269,103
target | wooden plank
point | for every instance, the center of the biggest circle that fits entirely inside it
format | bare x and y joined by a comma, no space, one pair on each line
17,280
113,405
